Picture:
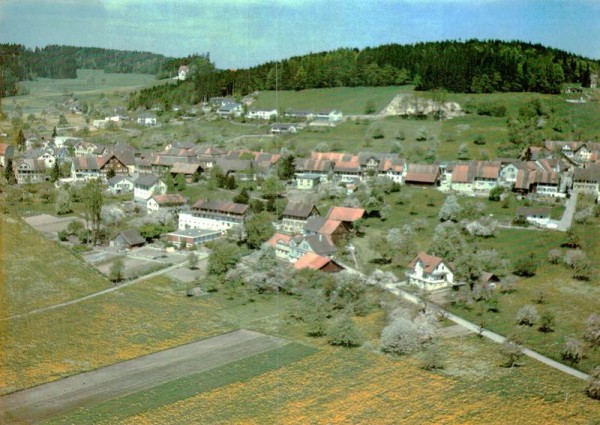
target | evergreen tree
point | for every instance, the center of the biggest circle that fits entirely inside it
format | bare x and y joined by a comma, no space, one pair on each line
20,140
54,133
9,174
55,173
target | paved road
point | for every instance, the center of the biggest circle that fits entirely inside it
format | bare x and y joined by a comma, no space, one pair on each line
488,334
565,222
54,398
96,294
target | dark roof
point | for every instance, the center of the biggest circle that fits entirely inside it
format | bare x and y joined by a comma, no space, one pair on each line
233,165
221,206
589,174
421,173
321,244
116,179
299,209
132,237
533,211
146,179
363,157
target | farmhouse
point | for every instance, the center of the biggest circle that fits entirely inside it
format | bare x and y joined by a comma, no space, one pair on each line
281,245
319,167
165,202
348,169
318,244
295,216
335,230
214,215
147,185
283,128
430,272
313,261
477,177
346,215
192,237
422,174
86,168
191,171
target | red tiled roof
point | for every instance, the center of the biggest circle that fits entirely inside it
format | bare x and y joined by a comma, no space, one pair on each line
312,261
421,173
330,226
279,237
430,262
170,199
345,214
3,148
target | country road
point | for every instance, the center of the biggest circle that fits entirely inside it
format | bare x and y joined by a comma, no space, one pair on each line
97,294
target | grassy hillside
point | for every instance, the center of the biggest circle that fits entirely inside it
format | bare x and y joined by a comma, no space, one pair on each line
349,100
38,272
89,84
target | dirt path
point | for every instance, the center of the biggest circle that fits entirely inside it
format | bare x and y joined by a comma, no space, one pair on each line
45,401
96,294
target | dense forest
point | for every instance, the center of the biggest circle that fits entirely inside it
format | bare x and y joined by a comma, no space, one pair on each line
18,63
468,67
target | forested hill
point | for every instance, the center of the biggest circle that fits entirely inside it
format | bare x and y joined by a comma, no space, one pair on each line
469,66
19,63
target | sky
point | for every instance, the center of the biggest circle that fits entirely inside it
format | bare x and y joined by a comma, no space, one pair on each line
242,33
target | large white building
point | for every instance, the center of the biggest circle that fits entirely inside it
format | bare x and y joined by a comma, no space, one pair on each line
214,215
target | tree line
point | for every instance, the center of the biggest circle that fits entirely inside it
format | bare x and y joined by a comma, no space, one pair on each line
471,66
18,63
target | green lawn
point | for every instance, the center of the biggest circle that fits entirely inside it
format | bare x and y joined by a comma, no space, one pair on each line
349,100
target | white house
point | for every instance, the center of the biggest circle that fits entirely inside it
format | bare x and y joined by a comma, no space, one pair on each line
182,72
120,184
283,128
166,202
147,119
331,115
261,114
539,216
430,272
214,215
147,185
48,158
230,110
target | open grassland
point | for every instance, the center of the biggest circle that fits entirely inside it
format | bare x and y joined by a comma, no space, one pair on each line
38,272
359,386
349,100
144,318
89,84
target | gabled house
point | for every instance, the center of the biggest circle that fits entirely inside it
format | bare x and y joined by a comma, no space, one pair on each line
295,216
281,245
535,215
214,215
28,170
130,238
313,261
171,202
240,168
346,215
83,148
111,162
332,115
430,272
6,152
322,168
230,110
300,114
307,181
147,185
318,244
392,168
191,172
120,184
182,72
422,174
347,169
476,177
335,230
86,168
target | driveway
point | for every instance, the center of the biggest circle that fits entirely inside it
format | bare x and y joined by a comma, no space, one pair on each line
567,219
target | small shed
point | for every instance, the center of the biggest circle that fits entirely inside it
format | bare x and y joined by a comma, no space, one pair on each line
128,239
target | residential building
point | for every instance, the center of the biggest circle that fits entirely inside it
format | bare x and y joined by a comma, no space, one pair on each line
215,215
313,261
587,180
345,214
147,119
191,172
535,215
171,202
261,114
422,174
307,181
283,128
182,73
300,114
322,168
331,115
430,272
28,170
120,184
230,110
295,216
147,185
335,230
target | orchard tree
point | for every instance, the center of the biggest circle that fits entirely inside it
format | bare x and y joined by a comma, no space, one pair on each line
342,331
593,388
572,351
592,330
512,351
63,202
399,337
527,315
450,210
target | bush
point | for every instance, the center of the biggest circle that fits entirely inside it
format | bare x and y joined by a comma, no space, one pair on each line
479,140
572,351
554,256
547,322
593,388
496,194
432,358
63,235
342,331
526,266
527,315
592,330
512,352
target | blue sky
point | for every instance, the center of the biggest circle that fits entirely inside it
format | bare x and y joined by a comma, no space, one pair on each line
240,33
